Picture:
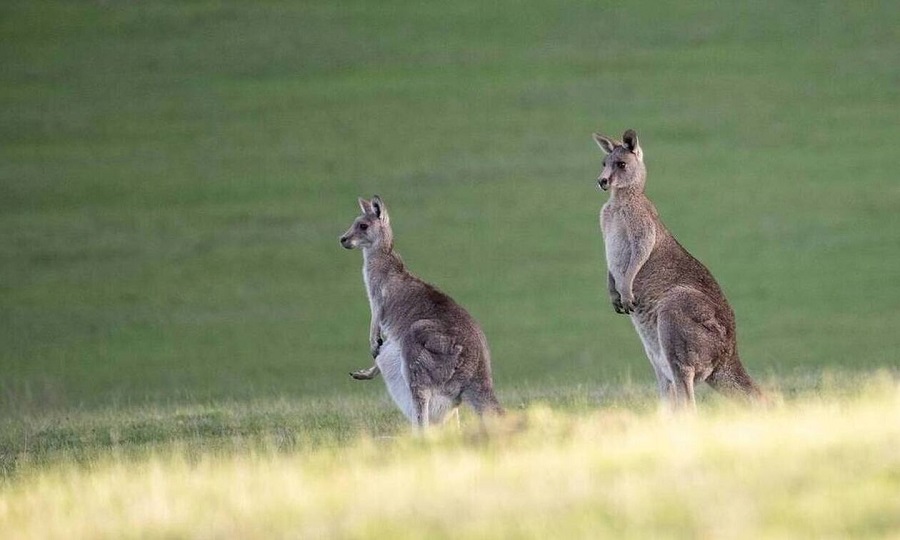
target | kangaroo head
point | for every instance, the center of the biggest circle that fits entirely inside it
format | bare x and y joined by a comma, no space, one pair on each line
372,228
623,166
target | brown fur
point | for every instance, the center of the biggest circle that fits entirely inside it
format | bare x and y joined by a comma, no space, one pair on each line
679,311
445,355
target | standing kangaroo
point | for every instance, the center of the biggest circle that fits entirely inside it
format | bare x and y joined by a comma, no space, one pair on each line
676,306
431,352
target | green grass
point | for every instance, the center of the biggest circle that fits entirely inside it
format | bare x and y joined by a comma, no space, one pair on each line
174,177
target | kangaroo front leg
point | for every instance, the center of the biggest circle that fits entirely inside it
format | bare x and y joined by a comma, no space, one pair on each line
375,339
614,293
375,343
642,238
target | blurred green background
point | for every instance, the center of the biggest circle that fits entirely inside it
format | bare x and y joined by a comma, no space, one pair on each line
174,177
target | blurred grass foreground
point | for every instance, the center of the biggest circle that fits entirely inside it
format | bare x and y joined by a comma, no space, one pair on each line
825,466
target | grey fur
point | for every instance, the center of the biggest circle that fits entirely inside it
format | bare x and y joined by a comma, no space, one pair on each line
443,353
680,313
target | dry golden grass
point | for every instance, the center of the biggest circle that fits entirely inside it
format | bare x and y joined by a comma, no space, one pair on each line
827,466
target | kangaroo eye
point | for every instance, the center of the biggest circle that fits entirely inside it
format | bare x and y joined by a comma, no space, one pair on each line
620,164
363,226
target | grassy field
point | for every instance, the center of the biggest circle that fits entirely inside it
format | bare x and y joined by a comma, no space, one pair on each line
175,176
822,468
174,302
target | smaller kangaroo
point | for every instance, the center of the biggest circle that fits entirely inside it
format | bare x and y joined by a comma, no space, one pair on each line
676,306
432,353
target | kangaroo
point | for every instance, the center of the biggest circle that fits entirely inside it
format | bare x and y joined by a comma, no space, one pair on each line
432,353
681,315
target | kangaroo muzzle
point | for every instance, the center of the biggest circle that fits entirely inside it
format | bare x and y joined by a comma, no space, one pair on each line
603,183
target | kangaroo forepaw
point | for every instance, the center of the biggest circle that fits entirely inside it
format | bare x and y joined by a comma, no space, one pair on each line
365,374
376,347
627,302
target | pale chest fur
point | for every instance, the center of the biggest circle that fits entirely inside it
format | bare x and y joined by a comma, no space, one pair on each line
615,238
371,292
378,287
375,289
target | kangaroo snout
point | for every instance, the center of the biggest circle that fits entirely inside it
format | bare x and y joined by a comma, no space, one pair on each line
603,183
346,243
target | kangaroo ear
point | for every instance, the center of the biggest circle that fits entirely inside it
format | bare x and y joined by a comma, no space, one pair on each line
379,209
365,206
605,143
631,143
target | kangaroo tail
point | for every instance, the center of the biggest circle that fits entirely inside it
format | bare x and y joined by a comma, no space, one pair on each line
731,379
494,407
484,401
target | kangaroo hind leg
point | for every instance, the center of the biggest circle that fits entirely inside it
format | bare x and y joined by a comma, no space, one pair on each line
688,349
419,362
